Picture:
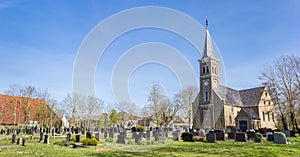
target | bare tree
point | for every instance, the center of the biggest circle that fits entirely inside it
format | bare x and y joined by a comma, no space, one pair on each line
282,79
185,98
93,109
162,109
72,103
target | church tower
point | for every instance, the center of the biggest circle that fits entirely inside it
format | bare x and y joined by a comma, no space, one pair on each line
209,80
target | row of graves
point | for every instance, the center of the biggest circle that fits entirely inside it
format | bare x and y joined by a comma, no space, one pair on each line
249,136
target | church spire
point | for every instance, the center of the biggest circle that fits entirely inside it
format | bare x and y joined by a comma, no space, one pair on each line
208,50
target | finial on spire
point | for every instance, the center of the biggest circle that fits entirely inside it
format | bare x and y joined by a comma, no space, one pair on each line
206,23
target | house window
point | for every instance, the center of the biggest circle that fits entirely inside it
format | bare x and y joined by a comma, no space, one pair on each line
264,116
206,96
268,116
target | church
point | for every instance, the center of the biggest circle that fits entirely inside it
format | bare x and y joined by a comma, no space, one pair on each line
220,107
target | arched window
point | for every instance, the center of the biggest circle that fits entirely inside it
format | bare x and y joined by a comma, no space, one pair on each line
206,96
230,120
207,69
273,116
268,116
203,70
264,116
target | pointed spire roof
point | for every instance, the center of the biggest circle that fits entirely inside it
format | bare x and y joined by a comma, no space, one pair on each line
208,50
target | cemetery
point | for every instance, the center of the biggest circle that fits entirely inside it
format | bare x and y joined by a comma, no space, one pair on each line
118,141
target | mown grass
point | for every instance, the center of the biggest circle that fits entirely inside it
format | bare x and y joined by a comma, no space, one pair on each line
224,148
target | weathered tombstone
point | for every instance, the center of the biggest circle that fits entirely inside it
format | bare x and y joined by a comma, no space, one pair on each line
287,133
270,136
211,137
279,138
121,139
46,139
134,134
258,137
68,137
88,135
201,133
176,136
187,137
154,132
97,136
136,138
240,137
156,136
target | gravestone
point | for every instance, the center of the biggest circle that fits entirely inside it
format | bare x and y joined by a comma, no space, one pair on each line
13,139
102,130
270,136
121,139
211,137
279,138
187,137
287,133
19,140
293,133
105,133
231,135
41,136
136,138
156,136
220,136
240,137
97,136
201,133
111,133
23,142
176,136
258,137
68,138
134,134
148,135
77,138
46,139
88,135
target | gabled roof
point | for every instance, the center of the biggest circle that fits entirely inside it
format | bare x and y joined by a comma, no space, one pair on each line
251,97
249,112
243,98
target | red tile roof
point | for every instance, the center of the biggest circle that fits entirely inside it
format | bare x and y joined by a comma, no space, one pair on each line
13,109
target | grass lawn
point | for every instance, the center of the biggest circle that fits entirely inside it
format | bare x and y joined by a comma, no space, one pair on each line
224,148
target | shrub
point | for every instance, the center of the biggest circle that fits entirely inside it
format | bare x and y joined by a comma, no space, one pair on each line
90,142
141,129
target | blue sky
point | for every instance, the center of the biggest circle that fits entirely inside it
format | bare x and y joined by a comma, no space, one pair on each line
39,41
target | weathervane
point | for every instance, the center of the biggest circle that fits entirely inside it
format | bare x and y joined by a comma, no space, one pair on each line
206,23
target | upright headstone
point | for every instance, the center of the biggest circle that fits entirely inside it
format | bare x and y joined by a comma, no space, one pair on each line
176,136
270,136
14,136
136,138
201,133
111,133
105,133
46,139
97,136
121,139
210,137
41,136
280,138
88,135
287,133
77,138
187,137
240,137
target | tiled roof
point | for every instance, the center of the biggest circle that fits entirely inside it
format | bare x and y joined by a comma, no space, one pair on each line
251,97
11,111
243,98
250,113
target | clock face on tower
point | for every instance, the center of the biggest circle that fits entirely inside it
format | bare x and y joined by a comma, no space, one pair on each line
205,83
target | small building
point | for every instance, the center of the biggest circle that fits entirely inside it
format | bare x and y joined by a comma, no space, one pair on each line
16,110
220,107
